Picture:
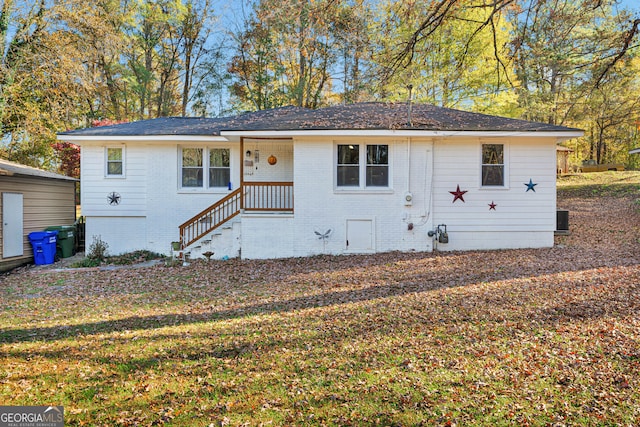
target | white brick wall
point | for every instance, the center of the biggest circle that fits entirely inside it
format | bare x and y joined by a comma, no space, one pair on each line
122,234
268,236
154,189
319,206
429,169
261,170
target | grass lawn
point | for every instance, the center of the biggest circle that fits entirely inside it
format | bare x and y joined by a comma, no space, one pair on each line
538,337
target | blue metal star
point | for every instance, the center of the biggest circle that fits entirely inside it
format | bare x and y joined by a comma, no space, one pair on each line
530,185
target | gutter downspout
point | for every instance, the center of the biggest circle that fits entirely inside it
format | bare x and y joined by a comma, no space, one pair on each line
410,121
409,164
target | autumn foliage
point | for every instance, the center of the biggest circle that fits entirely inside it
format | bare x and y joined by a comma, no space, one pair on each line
568,62
68,154
106,122
531,337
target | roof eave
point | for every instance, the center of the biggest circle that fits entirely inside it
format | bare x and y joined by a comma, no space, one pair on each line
36,174
224,135
141,138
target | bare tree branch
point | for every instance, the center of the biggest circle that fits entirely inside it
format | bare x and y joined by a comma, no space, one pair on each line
424,30
628,39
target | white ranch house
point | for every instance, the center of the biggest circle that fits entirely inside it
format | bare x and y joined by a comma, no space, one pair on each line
289,182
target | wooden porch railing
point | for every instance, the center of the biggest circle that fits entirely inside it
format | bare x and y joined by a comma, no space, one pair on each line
268,196
253,196
211,218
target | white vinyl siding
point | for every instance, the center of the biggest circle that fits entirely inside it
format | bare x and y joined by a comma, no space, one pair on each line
520,219
96,186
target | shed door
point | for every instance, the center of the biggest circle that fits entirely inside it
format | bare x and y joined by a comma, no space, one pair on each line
360,235
12,225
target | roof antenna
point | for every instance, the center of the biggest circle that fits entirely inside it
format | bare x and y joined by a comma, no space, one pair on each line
410,87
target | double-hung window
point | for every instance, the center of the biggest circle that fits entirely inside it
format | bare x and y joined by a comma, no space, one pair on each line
219,167
114,166
192,167
493,166
348,165
361,166
205,167
377,165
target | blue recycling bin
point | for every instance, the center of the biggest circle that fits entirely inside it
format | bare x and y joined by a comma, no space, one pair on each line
43,244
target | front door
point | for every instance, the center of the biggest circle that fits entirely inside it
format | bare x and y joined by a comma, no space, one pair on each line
12,225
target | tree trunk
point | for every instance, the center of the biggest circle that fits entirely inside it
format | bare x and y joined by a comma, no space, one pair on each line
186,86
600,144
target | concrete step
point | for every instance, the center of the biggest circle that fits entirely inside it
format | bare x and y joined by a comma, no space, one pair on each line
221,243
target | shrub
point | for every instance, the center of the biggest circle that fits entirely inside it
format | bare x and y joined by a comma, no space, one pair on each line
134,257
98,250
86,262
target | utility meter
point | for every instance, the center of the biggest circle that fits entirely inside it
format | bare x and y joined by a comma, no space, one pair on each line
408,198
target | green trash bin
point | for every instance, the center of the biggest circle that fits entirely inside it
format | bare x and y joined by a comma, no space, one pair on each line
66,240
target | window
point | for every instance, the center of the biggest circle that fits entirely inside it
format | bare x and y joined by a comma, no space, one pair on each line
192,167
377,165
493,165
358,163
348,166
205,167
219,167
115,161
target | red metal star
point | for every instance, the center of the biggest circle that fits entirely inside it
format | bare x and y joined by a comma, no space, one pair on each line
458,194
492,205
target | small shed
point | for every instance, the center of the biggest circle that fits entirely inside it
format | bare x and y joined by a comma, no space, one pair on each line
30,200
563,159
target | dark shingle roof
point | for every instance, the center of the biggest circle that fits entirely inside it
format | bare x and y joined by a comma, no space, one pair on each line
194,126
159,126
388,116
362,116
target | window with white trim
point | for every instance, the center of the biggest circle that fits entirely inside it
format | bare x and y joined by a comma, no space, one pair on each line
114,162
359,164
192,167
377,165
348,165
219,167
493,166
205,167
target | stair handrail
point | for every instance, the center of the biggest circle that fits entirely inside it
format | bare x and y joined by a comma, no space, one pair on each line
210,218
